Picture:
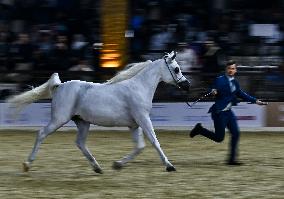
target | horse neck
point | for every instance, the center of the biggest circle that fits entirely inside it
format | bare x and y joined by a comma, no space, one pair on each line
150,77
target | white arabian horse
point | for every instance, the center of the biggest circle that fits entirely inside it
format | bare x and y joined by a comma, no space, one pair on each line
125,100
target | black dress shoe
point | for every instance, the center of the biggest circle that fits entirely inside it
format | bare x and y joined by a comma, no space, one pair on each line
196,130
235,163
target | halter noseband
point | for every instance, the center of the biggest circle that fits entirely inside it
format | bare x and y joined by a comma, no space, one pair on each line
176,80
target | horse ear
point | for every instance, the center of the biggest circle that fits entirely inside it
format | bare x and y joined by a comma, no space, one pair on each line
174,56
171,54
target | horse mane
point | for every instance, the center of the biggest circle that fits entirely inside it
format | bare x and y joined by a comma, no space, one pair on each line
130,71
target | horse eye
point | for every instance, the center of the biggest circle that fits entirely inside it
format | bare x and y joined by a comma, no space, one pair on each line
176,70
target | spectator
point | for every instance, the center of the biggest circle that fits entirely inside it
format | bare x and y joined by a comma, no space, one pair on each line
61,53
160,38
78,47
43,50
23,51
275,80
82,65
213,58
186,57
3,51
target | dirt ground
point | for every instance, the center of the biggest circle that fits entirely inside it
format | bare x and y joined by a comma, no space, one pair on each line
61,171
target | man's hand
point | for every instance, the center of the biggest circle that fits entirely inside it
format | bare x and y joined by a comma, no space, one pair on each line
259,102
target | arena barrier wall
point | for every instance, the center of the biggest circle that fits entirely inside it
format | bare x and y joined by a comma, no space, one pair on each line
275,114
162,115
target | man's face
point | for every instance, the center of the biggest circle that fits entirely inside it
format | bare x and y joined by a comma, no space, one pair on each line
231,70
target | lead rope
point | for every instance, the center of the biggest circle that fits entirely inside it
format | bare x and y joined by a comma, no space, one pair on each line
202,97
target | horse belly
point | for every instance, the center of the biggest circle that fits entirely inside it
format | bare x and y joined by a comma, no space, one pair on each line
105,106
111,119
107,116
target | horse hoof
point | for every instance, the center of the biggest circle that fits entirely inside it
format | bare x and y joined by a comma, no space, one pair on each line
117,165
171,168
26,166
98,170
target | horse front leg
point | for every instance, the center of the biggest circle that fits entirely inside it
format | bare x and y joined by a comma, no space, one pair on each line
146,125
138,139
83,131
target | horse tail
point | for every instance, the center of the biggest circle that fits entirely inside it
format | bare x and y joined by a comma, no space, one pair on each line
43,91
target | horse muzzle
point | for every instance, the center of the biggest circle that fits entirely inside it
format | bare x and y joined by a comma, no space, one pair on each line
185,85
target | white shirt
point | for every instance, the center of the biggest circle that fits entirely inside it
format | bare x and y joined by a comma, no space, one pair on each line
233,88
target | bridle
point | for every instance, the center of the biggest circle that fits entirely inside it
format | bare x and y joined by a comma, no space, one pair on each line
176,80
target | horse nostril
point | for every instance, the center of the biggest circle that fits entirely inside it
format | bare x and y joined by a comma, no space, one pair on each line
176,70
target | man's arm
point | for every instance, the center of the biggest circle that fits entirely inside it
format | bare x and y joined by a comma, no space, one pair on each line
249,98
245,96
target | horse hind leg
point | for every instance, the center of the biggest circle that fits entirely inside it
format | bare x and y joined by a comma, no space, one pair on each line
139,142
83,131
42,134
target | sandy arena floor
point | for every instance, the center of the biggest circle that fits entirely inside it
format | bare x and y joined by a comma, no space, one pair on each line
61,171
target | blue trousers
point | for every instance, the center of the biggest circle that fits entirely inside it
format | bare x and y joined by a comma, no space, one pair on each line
222,120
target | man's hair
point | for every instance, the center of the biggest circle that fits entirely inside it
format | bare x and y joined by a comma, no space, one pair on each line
230,62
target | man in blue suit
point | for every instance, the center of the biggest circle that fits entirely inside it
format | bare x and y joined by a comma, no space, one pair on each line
226,90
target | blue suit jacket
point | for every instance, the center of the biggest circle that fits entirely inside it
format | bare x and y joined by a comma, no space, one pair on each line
225,96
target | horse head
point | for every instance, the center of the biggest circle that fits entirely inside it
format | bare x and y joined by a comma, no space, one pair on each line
173,74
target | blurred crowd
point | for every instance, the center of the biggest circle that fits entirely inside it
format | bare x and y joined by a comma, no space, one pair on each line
65,35
62,34
48,34
206,34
